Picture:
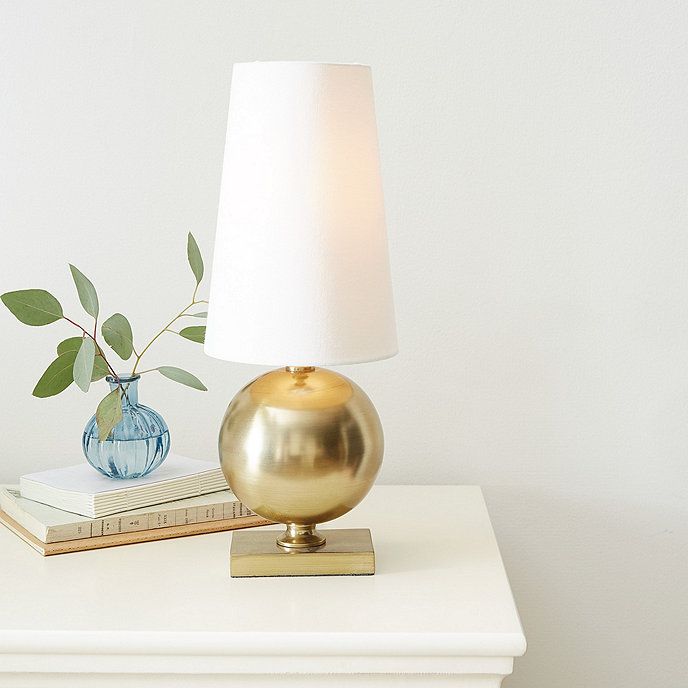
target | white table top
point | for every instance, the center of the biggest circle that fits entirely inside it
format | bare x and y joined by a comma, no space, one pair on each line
440,589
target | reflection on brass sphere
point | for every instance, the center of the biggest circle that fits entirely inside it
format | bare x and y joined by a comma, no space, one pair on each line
301,446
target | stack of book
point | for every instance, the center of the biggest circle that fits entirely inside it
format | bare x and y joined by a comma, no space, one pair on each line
75,508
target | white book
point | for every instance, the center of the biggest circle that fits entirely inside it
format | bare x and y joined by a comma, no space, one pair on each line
50,525
82,490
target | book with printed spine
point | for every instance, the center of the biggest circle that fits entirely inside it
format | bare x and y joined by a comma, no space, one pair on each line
53,531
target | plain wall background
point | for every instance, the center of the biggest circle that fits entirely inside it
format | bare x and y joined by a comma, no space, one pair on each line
535,160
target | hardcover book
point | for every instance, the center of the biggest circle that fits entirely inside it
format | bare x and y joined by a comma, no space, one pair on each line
53,531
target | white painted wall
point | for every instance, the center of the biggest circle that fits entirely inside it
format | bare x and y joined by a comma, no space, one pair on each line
535,159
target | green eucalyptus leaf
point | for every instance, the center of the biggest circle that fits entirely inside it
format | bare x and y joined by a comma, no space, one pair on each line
117,333
100,369
195,259
195,333
33,306
71,344
108,414
182,376
86,291
57,377
83,364
200,314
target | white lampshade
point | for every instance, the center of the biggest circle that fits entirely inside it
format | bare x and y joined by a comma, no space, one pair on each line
301,271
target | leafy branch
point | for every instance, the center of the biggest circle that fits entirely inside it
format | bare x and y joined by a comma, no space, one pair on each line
82,359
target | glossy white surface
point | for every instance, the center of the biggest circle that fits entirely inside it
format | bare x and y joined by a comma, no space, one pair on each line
439,603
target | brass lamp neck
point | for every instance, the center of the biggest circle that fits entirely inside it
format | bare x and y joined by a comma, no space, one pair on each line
300,369
298,536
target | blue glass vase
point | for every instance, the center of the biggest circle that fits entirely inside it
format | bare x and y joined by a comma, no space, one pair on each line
137,445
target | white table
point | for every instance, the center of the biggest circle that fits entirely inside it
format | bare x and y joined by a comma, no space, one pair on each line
439,611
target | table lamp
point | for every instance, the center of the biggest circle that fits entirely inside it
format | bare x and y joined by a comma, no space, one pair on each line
300,279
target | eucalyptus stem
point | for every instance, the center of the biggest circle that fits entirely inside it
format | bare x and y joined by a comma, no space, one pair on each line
98,347
165,329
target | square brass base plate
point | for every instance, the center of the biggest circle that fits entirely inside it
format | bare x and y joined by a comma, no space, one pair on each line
346,552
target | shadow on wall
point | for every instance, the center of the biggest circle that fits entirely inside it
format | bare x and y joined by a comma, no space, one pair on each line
596,581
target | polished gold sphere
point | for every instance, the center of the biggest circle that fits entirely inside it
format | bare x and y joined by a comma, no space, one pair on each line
301,446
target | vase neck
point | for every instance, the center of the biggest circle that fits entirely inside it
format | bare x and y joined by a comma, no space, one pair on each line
130,385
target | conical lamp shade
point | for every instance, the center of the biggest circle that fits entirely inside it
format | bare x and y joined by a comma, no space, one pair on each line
301,271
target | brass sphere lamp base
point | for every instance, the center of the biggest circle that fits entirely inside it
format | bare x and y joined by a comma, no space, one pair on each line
301,446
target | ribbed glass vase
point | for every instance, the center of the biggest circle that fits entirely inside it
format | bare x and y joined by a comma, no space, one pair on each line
138,444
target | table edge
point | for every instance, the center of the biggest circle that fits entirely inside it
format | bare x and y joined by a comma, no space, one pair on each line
240,643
